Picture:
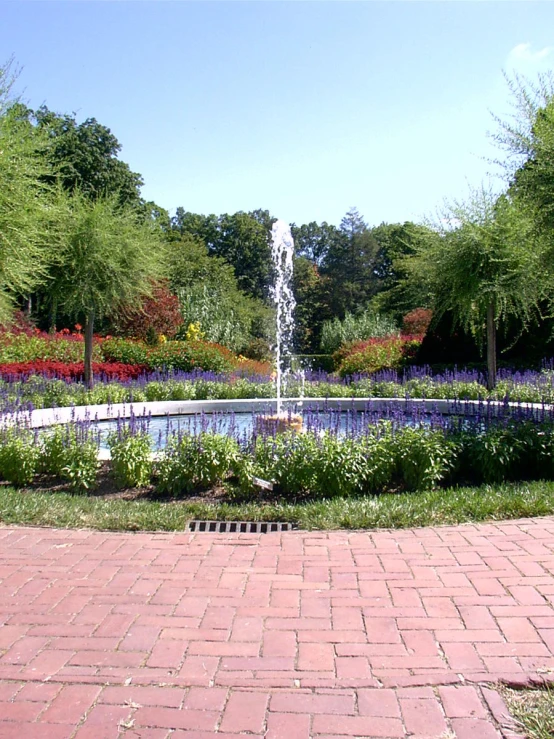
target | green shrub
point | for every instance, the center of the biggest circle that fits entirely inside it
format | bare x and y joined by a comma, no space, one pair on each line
353,328
19,457
424,458
191,355
131,458
125,351
70,453
367,357
191,462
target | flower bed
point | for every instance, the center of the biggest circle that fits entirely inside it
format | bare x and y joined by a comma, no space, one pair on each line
70,371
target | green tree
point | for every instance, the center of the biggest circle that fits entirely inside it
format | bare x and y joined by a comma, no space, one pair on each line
312,305
350,264
26,211
108,258
84,157
209,294
482,263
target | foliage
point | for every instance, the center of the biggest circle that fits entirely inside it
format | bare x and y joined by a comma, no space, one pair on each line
130,457
27,219
354,328
417,321
83,157
70,370
367,357
71,453
158,315
18,457
209,295
62,347
191,355
193,462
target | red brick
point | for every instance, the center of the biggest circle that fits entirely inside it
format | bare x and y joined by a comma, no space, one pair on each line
71,704
518,630
145,696
357,726
469,728
382,703
21,711
461,702
206,699
316,657
422,717
312,703
245,712
279,644
173,718
287,726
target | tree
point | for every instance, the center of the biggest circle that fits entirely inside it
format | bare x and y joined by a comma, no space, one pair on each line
84,157
108,258
350,264
312,305
482,263
314,240
27,214
209,294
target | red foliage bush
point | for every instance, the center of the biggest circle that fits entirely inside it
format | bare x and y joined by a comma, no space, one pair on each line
71,371
158,314
417,321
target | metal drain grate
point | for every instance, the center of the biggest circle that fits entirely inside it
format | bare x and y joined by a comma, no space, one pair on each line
239,527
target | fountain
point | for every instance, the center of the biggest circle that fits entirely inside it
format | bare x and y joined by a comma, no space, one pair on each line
282,252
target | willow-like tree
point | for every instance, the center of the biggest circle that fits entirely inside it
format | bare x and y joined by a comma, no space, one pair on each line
108,258
26,210
482,263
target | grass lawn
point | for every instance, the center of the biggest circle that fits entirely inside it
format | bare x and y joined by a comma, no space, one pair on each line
532,710
447,506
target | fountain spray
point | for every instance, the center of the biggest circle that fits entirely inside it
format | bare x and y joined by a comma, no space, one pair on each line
282,251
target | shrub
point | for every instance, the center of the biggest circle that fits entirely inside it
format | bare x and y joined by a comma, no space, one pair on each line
191,462
417,321
19,457
367,357
125,351
72,371
353,328
424,458
71,453
159,314
191,355
131,458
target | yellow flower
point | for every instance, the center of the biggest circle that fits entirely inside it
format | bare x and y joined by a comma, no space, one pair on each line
162,338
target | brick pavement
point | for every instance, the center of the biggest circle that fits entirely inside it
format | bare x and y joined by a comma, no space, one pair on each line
283,636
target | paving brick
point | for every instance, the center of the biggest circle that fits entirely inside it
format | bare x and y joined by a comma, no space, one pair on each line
245,711
71,703
423,716
288,726
461,702
359,726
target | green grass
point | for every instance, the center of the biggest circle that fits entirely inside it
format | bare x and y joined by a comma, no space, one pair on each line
449,506
532,710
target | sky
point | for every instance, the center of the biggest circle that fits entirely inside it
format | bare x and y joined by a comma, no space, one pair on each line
305,109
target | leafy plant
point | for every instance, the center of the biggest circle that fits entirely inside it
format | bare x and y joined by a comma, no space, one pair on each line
195,461
355,328
131,458
18,457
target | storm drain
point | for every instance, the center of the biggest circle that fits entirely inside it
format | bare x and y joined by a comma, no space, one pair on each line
240,527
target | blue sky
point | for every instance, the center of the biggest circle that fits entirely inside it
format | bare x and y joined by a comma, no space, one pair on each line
303,108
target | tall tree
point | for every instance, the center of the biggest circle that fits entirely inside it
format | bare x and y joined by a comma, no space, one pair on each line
482,264
350,264
109,258
27,216
84,157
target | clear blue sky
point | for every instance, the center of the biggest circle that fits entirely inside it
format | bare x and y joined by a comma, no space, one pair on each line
303,108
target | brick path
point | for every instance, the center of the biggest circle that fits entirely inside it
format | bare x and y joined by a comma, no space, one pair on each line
283,636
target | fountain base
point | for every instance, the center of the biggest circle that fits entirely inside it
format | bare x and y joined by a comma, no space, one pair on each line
280,423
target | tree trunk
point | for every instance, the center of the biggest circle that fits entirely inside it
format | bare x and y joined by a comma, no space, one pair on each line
89,331
52,316
491,347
